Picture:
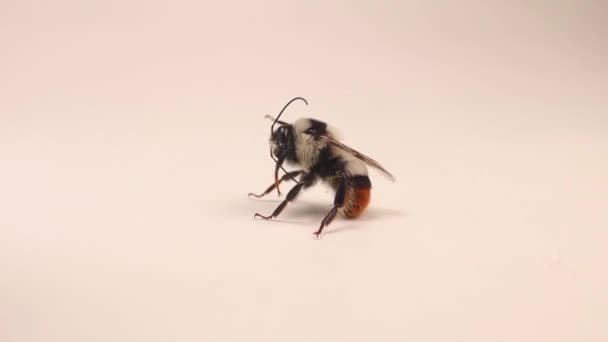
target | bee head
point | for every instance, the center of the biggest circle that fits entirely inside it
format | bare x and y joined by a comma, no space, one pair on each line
282,141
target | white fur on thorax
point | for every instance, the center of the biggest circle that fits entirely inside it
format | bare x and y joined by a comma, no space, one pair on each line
307,148
302,124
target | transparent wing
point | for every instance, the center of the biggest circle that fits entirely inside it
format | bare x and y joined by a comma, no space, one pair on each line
369,161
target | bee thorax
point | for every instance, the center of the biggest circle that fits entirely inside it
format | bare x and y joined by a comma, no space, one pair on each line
308,150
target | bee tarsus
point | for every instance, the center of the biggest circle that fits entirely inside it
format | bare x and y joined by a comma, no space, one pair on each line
262,216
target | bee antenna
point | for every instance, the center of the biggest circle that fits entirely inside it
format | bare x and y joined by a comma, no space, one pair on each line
282,110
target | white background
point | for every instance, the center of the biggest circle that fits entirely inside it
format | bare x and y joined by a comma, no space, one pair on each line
131,132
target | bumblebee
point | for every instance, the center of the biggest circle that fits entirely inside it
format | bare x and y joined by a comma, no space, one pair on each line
314,148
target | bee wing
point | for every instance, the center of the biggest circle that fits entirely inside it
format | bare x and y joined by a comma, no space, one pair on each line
369,161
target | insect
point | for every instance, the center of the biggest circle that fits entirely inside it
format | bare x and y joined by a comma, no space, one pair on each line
314,148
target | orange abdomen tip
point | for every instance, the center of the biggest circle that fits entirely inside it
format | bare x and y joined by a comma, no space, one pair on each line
356,201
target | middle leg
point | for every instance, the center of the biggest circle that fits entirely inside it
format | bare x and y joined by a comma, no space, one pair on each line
306,181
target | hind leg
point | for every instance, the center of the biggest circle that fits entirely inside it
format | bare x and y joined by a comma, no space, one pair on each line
338,203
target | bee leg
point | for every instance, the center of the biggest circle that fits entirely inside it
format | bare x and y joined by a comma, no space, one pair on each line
273,186
291,195
338,202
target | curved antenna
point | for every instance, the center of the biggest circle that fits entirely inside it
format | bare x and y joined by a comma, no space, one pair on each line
282,110
273,119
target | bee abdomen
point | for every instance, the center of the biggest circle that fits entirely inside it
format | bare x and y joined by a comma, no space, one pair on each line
357,197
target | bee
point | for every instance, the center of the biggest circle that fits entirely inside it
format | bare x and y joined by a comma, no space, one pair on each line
314,148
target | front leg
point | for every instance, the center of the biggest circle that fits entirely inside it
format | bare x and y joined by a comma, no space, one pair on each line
306,180
338,203
290,175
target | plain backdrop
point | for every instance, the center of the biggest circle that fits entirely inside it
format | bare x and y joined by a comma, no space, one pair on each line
132,131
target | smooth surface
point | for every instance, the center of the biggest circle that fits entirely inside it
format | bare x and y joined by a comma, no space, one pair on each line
131,132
